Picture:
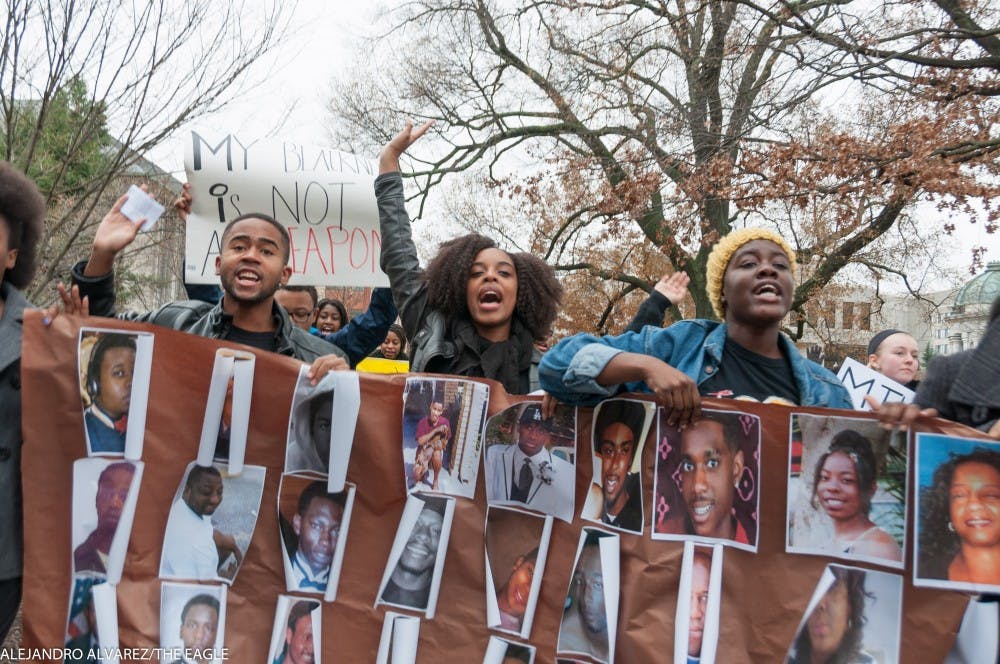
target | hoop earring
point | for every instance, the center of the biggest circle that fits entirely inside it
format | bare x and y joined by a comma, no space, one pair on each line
951,526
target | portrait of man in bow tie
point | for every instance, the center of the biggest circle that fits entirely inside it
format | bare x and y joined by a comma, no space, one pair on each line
108,385
530,470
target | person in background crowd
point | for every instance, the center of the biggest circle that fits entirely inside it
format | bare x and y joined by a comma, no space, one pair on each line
750,284
251,267
331,316
394,346
22,213
476,310
300,303
963,387
895,355
667,292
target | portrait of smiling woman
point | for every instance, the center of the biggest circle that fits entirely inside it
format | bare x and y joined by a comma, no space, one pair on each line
959,518
846,490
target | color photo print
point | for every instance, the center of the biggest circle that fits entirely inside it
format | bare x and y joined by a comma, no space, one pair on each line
958,513
114,369
442,424
707,480
618,437
846,489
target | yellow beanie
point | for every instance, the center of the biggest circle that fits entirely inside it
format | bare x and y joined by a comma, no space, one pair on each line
723,251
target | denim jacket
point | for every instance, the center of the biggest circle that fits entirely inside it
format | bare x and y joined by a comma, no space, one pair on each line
569,371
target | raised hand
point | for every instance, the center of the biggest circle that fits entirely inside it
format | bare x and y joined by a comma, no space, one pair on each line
389,158
115,232
183,202
673,287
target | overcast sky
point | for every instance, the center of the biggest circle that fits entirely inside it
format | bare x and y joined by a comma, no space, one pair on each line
292,105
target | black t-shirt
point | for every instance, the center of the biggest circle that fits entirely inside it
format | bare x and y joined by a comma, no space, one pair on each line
743,373
262,340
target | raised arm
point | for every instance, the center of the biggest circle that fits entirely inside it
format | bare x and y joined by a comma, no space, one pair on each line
399,254
669,290
95,278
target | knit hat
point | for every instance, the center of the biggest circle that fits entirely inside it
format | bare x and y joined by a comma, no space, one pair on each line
723,251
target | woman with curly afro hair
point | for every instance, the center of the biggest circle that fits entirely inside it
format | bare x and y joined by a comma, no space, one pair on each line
22,215
476,309
960,520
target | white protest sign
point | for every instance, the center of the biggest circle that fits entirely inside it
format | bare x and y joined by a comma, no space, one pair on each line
324,197
861,381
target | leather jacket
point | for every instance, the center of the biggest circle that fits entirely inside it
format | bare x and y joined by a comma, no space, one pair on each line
201,318
426,328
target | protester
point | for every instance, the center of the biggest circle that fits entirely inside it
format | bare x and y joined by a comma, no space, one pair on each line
356,338
476,310
251,267
22,212
963,387
394,346
750,283
331,316
300,303
895,355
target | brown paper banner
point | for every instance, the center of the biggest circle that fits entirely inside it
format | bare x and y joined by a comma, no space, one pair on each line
763,595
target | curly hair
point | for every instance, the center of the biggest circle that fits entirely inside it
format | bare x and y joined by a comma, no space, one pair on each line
850,644
858,449
336,304
539,293
22,207
938,544
630,413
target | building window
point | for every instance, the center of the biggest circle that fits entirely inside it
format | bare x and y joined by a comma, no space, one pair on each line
864,316
847,320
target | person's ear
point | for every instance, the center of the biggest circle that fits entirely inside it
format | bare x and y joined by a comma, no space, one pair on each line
218,265
737,466
873,361
297,524
286,274
10,261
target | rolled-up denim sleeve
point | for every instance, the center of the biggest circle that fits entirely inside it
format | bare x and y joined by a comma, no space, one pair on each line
569,371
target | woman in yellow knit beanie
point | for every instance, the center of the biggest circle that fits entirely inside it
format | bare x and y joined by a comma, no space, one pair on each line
750,282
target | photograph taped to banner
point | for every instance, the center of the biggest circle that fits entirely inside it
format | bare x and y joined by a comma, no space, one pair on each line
211,523
590,620
442,428
531,460
517,544
957,513
502,651
412,575
192,622
619,436
707,480
297,632
105,492
853,616
314,525
846,489
114,369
